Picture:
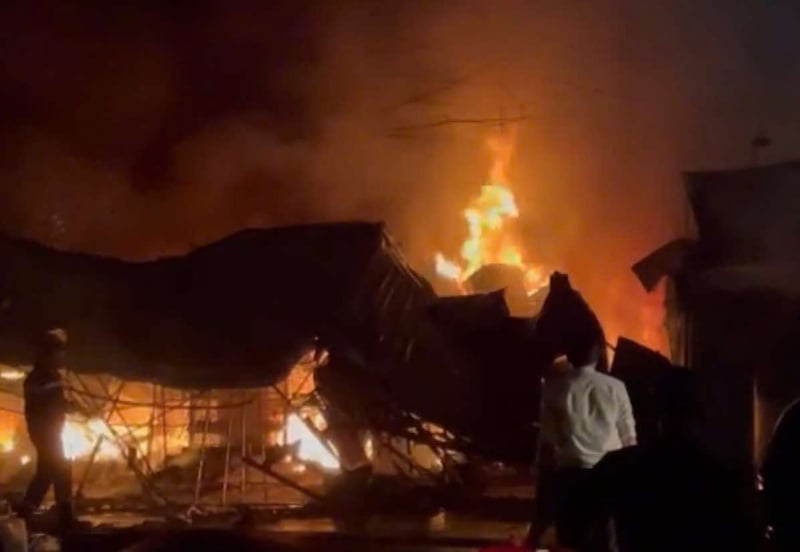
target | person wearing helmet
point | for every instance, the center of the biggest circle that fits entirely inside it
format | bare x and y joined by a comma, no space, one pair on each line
45,413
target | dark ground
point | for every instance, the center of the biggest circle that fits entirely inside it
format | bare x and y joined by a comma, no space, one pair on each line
445,532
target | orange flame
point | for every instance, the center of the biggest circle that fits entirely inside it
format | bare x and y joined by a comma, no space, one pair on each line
311,448
79,438
489,241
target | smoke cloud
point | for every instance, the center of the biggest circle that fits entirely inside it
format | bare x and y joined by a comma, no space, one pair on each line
148,129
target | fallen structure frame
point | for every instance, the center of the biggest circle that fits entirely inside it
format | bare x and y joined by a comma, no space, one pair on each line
242,312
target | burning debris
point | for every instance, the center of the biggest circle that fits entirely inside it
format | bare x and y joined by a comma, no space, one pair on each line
271,367
190,446
80,438
311,448
385,358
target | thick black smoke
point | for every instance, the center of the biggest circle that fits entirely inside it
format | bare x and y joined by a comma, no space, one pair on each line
145,128
131,128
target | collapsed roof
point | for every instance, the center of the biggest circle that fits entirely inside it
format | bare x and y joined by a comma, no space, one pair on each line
239,312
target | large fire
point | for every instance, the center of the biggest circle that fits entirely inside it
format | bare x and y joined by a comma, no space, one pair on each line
79,439
311,449
489,238
152,434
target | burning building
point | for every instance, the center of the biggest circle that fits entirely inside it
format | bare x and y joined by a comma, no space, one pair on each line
318,344
173,353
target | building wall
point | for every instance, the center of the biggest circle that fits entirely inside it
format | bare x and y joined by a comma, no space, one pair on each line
743,346
726,385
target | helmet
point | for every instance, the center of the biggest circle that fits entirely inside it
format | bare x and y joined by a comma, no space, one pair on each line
53,339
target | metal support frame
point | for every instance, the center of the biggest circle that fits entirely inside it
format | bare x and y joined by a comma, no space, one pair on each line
406,458
78,495
151,491
131,436
262,439
243,481
164,451
152,425
267,469
226,476
417,432
201,465
311,427
124,438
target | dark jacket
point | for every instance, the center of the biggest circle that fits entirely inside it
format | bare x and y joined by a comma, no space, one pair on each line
781,474
45,404
667,495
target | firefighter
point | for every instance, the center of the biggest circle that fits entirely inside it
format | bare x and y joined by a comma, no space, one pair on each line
45,413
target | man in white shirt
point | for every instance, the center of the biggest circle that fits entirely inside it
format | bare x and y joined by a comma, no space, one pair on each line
585,414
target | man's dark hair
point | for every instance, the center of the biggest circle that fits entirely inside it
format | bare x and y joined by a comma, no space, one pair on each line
583,349
678,399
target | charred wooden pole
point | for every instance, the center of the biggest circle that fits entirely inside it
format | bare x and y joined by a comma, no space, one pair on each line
131,436
286,409
262,440
152,425
300,387
78,495
191,420
199,482
228,444
244,447
147,485
406,458
164,425
96,448
267,469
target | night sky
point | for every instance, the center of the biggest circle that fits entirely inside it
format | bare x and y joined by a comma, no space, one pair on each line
139,129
